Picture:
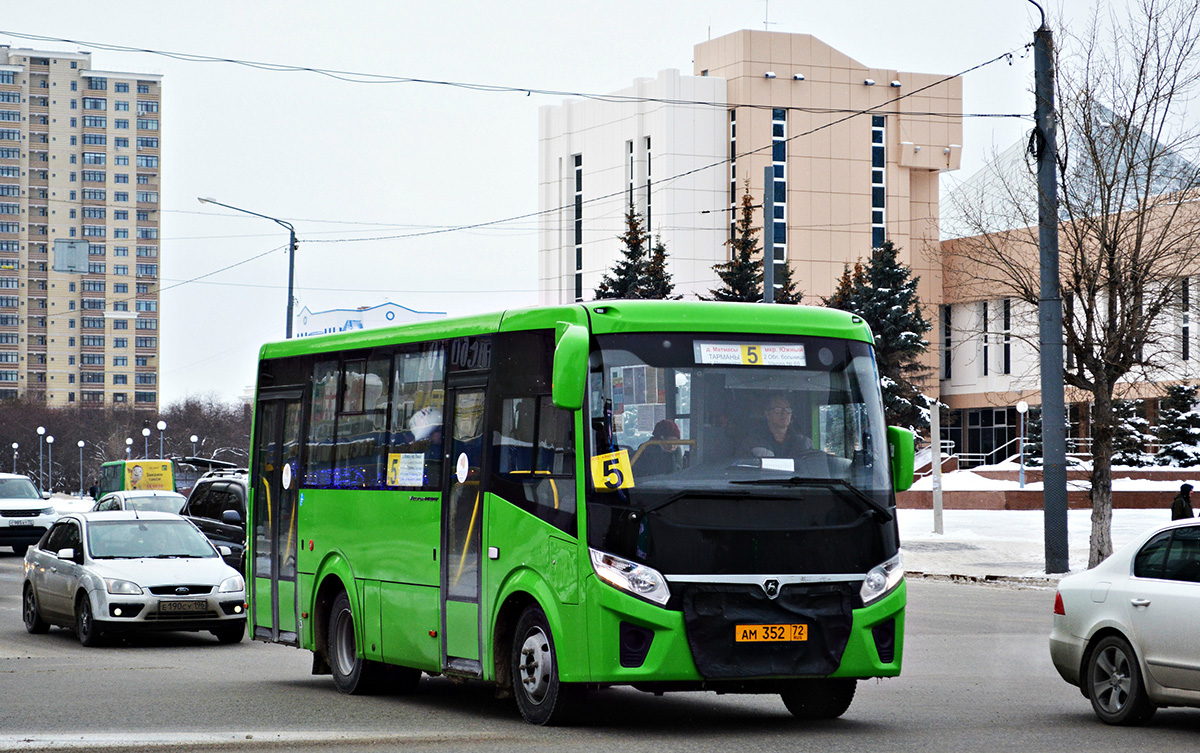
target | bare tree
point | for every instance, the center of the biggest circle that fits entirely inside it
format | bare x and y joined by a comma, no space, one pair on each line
1130,211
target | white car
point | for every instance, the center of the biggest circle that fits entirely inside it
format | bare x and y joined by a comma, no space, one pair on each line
25,514
1127,632
104,573
141,499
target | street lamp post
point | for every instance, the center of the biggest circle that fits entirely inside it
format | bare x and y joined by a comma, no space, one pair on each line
291,251
162,426
41,430
80,443
195,439
1022,408
50,464
146,442
128,447
15,446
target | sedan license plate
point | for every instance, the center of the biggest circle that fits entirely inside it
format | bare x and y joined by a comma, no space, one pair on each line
20,522
182,606
770,633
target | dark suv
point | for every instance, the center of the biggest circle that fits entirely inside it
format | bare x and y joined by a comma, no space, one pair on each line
217,505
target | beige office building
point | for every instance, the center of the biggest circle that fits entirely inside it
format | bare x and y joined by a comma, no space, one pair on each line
854,152
79,231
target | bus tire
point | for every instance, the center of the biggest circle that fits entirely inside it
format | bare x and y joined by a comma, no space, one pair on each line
352,674
541,698
819,699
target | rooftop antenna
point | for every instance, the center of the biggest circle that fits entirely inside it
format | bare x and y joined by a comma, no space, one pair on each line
767,22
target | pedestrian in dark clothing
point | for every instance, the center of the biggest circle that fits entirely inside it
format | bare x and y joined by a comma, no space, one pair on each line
1181,507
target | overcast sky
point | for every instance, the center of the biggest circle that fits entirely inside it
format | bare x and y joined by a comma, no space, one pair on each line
345,160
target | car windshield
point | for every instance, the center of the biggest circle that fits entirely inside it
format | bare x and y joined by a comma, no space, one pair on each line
18,488
157,503
116,539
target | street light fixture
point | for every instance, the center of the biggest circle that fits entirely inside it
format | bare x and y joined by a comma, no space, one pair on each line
41,430
146,442
80,443
291,251
195,439
162,426
128,447
1022,409
15,446
50,464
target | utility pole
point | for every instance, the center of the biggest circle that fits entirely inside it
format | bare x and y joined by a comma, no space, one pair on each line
1050,334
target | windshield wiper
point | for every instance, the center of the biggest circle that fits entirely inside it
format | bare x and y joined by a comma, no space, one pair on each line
830,483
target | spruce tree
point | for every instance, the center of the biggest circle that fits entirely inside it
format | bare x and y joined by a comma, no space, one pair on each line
626,278
656,283
1131,433
1033,436
1178,430
884,293
741,276
785,287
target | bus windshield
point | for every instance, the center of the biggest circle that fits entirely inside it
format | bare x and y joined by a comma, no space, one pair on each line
747,454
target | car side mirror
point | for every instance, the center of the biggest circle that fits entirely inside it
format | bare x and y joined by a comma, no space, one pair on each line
45,495
231,518
68,553
224,551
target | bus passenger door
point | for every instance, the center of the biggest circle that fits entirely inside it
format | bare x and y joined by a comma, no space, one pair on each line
275,480
462,519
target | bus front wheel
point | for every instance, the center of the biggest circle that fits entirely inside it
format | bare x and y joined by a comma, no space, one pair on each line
351,673
819,699
541,698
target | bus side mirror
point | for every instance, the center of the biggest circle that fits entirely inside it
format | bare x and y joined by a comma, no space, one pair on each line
902,447
570,366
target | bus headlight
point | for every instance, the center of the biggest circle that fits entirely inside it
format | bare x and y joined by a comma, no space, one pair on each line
882,579
631,577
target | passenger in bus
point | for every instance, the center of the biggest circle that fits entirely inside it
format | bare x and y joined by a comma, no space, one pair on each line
660,454
775,437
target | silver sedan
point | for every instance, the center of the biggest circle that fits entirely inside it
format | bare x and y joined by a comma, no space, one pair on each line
104,573
1125,632
141,499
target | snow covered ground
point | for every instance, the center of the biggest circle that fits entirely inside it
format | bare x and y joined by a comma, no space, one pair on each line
1006,543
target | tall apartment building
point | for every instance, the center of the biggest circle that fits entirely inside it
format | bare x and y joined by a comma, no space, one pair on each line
854,154
79,231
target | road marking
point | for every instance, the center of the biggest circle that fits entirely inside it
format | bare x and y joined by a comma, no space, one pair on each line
149,741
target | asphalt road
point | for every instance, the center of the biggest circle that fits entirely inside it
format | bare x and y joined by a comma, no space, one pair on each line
977,677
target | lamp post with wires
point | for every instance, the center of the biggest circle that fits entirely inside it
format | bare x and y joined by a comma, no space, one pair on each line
162,427
146,442
291,251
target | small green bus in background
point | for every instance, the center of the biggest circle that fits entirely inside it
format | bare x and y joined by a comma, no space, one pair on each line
557,499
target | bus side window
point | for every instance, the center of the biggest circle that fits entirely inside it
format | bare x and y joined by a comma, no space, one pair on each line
417,396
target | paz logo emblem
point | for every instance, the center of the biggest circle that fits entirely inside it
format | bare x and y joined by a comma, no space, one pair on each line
771,587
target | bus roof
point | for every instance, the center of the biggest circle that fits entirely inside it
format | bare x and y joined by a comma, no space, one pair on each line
601,317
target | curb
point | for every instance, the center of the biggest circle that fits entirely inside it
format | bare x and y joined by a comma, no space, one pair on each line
1024,581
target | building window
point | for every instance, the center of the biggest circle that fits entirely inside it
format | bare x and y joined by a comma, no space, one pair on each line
578,161
779,139
1006,330
983,313
878,185
947,342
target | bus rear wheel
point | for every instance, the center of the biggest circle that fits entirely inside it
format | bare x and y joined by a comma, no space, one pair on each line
541,698
819,699
352,673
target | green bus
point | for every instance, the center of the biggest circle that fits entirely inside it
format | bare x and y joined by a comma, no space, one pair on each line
557,499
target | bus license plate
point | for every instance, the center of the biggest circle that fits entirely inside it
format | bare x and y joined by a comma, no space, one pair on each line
182,606
770,633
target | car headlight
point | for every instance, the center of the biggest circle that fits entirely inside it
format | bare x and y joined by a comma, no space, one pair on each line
636,579
232,584
49,510
882,579
123,587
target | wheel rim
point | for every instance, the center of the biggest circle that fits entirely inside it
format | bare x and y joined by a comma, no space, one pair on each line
343,647
536,665
85,617
30,607
1112,679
